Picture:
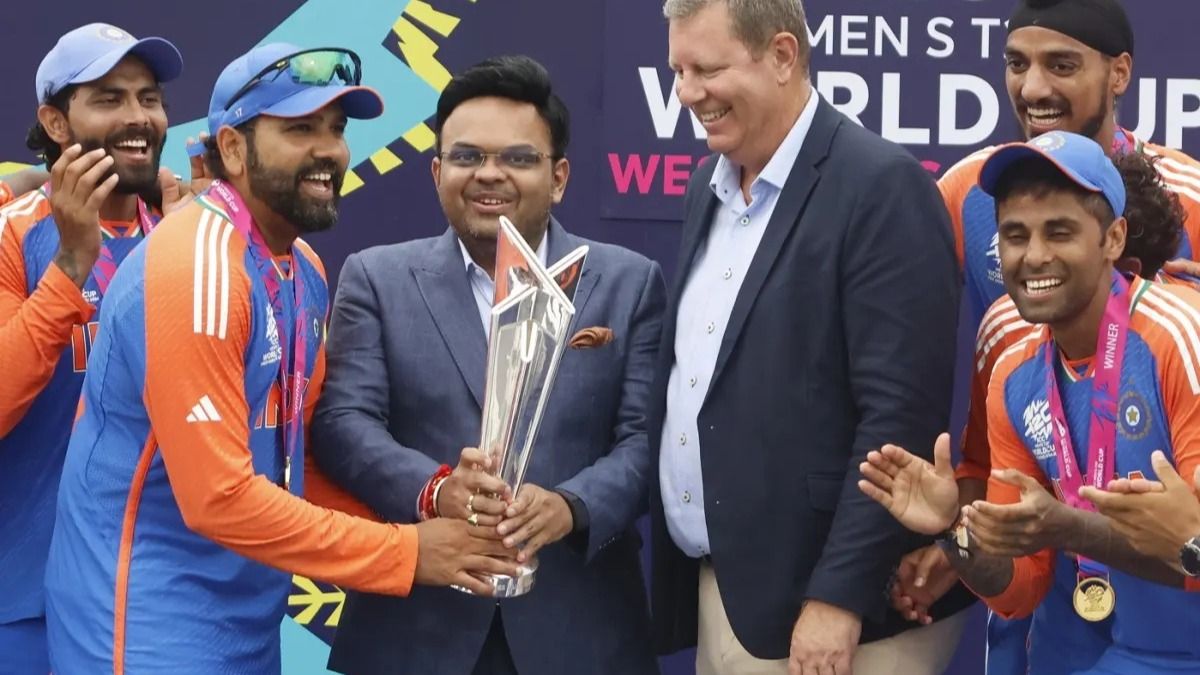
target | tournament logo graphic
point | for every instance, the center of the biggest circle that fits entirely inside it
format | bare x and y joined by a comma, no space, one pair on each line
275,352
1038,429
993,256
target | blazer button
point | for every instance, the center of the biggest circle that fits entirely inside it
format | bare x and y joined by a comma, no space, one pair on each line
687,497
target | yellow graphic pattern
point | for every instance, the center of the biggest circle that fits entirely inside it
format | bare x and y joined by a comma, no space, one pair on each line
314,599
419,52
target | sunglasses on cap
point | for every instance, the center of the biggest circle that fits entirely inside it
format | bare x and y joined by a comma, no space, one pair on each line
311,67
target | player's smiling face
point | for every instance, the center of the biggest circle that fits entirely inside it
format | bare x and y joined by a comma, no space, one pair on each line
1058,83
297,165
522,183
1055,254
123,113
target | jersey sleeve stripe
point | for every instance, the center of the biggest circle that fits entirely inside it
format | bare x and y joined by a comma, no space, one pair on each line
1014,325
210,271
994,321
1189,347
1190,315
22,207
1177,182
1175,164
210,279
224,323
198,275
1019,346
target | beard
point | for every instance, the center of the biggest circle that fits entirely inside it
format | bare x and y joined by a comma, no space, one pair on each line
141,180
281,191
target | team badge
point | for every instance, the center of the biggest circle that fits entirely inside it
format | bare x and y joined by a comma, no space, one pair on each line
1134,415
114,34
1049,142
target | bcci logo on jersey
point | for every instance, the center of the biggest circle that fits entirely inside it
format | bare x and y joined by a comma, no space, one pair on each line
993,255
275,352
1037,429
1134,416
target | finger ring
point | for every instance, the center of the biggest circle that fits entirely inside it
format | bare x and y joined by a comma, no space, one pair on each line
471,503
474,519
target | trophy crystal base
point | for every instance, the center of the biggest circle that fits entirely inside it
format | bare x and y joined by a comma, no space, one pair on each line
504,586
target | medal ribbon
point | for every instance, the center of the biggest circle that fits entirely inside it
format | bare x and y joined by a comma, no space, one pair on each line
293,344
1102,429
1124,143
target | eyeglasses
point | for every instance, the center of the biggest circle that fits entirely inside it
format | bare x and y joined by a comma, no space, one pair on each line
512,158
312,67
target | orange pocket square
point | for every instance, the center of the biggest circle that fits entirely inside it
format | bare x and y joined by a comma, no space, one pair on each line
596,336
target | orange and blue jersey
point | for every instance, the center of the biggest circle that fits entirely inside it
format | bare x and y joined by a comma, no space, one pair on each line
6,193
176,538
973,216
1154,627
46,330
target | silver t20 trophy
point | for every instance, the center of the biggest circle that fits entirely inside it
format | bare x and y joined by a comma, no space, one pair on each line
531,314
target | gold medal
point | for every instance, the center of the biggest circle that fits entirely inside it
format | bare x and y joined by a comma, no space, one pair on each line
1094,598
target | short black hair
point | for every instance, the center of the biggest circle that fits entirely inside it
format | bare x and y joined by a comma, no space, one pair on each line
212,154
37,140
1038,177
518,78
1154,212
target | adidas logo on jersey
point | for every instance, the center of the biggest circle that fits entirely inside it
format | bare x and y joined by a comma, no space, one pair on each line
1037,429
274,352
204,411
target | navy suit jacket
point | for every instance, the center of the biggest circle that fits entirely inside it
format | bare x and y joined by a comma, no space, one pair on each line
841,339
403,393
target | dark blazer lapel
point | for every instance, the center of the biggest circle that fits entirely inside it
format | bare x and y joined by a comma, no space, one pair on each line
561,243
447,293
788,209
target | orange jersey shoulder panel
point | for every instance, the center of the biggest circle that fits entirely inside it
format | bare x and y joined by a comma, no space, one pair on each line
1167,318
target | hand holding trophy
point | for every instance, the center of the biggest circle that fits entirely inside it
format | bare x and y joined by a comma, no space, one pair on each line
531,315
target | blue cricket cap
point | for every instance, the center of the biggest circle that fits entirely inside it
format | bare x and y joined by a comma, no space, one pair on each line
1079,158
89,52
280,95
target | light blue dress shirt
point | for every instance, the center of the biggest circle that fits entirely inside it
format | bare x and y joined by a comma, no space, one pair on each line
712,287
483,287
